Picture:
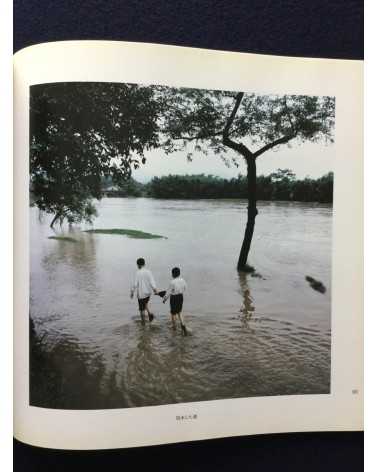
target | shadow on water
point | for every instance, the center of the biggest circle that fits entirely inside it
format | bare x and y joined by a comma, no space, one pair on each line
62,377
65,376
154,365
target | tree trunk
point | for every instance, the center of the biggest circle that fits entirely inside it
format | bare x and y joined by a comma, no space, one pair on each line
56,217
252,212
250,159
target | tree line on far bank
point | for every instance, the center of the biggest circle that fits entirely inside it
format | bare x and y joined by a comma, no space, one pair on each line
280,185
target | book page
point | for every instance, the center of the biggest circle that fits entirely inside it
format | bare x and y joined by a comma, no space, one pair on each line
188,245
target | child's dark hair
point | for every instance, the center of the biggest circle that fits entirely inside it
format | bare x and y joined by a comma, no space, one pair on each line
141,262
175,272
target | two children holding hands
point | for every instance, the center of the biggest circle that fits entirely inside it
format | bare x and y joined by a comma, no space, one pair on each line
144,285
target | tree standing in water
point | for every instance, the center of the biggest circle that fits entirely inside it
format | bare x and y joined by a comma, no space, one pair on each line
81,133
248,124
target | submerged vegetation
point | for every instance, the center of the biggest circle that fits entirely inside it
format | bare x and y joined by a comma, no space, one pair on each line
63,238
131,233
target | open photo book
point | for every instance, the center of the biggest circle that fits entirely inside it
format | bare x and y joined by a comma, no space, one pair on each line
188,253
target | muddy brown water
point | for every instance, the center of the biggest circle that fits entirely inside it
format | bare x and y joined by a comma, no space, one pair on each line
249,336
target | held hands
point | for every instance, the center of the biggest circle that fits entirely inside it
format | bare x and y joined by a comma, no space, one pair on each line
131,295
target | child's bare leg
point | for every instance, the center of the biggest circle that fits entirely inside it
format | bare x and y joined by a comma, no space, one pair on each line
173,317
149,314
182,323
142,316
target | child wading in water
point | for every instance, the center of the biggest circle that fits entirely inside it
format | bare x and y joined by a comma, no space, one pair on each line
144,284
175,293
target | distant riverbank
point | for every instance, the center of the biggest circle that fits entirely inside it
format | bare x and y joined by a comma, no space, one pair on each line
279,186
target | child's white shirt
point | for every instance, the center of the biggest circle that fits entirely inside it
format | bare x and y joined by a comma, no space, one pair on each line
144,283
177,286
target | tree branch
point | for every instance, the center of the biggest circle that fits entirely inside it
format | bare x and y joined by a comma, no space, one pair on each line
197,137
238,147
277,142
231,118
202,136
289,116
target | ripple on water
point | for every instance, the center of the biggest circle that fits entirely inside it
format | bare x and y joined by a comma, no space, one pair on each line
250,337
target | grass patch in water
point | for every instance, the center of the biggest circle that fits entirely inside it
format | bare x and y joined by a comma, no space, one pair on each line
63,238
131,233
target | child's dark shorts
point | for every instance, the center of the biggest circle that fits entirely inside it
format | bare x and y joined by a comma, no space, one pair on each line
176,302
142,302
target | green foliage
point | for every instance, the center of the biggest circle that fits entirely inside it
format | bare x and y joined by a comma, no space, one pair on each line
280,185
196,119
197,186
129,188
82,132
63,238
131,233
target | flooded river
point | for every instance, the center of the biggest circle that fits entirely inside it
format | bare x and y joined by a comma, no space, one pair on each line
249,336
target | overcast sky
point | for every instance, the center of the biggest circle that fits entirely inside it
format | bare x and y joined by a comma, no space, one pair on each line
308,159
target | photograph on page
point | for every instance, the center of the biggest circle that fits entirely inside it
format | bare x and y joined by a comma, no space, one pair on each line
180,244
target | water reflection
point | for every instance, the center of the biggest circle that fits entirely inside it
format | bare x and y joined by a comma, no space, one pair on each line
247,308
250,336
78,253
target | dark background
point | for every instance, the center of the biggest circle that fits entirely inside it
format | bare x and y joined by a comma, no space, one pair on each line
316,28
